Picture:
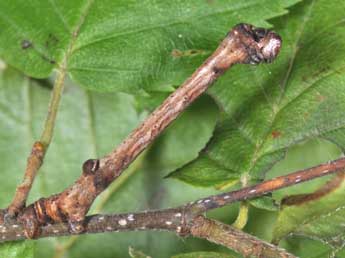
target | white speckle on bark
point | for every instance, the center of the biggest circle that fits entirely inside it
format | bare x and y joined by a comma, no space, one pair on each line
122,222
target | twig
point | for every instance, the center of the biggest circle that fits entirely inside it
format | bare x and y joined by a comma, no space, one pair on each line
220,200
167,220
175,218
185,219
243,44
39,149
235,239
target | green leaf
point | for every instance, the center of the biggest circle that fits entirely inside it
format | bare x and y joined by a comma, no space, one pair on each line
319,215
309,248
270,108
203,255
265,202
121,45
24,249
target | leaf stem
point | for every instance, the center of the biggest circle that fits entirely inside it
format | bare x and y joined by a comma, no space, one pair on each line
55,98
242,217
39,148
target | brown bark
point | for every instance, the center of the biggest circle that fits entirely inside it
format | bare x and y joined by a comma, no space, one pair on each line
34,162
243,44
235,239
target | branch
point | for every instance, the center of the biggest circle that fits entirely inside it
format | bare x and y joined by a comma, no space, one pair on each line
39,149
185,219
243,44
235,239
167,220
220,200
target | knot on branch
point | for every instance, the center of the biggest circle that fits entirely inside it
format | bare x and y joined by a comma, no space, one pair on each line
261,45
90,166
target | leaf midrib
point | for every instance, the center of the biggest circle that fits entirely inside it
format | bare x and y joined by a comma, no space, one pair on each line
159,26
60,16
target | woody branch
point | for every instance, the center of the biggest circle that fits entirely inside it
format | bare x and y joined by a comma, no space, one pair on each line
185,220
243,44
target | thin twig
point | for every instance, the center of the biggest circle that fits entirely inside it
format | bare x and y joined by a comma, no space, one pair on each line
220,200
39,148
235,239
244,44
